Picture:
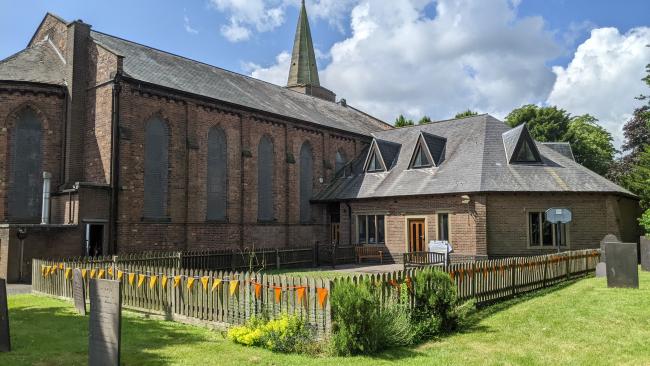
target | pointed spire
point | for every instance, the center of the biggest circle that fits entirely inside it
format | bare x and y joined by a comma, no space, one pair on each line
303,71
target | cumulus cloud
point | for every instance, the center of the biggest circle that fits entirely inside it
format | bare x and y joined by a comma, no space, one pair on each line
248,15
604,77
188,27
276,74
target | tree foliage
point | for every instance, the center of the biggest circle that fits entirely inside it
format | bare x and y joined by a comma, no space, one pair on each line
637,179
424,120
467,113
592,145
401,121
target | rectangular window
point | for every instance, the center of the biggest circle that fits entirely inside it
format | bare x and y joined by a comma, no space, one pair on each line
542,233
443,226
370,229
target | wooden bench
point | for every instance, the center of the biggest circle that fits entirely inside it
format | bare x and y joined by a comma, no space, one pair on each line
369,253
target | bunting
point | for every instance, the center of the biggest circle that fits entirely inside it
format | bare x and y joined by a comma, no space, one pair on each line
83,273
120,274
68,273
152,281
215,283
131,278
190,282
258,290
52,270
322,296
300,291
110,272
233,286
177,281
100,274
141,279
61,266
92,273
204,281
163,281
278,294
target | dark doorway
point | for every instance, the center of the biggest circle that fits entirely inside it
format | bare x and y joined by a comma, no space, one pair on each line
94,240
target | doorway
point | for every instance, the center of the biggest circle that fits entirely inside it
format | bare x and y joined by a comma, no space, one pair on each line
416,235
94,240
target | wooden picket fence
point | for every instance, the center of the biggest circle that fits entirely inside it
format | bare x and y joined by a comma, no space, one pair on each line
254,293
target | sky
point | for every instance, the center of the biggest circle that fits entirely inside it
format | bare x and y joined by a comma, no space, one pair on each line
391,57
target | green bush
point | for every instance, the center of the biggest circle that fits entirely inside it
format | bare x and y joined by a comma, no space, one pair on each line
645,221
285,334
361,325
436,307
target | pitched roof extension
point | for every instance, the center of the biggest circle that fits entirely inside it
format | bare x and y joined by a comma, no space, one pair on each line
474,161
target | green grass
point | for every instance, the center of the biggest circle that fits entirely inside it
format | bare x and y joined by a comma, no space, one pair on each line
582,323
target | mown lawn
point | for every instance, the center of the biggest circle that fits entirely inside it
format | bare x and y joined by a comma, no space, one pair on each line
582,323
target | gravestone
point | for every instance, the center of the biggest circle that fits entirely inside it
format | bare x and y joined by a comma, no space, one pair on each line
645,253
622,268
601,267
5,342
105,322
79,291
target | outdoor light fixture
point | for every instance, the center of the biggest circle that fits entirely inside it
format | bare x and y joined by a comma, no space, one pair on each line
464,199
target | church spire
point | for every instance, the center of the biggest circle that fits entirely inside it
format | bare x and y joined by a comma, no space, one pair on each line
303,74
303,69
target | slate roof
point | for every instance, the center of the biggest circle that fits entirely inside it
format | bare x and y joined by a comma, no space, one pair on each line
475,161
563,148
161,68
38,64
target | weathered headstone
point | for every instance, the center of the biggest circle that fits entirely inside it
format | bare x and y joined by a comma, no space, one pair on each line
79,291
601,268
622,268
645,253
105,322
5,342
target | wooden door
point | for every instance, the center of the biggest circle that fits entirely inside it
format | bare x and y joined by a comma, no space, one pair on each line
416,235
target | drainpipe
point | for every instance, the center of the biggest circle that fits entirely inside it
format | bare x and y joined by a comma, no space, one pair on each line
45,212
115,166
347,203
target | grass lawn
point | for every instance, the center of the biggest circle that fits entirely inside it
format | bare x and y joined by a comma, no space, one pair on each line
582,323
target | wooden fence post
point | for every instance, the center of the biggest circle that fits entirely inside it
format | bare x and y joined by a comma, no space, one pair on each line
513,267
545,271
473,279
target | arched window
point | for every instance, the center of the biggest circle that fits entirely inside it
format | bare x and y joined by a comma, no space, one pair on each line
265,179
156,169
306,181
25,174
217,175
340,161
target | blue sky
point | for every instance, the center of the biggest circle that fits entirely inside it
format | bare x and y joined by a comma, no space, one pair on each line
533,37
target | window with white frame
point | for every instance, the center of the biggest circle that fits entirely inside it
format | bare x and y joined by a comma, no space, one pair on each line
370,229
542,233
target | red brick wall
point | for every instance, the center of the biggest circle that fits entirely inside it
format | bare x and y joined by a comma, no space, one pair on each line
49,105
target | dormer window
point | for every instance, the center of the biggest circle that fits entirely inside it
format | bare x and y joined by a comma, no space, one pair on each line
381,156
520,146
374,164
429,151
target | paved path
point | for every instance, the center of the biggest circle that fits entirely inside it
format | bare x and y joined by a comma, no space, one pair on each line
15,289
371,268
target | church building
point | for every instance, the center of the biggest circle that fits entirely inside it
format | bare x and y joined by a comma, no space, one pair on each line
109,146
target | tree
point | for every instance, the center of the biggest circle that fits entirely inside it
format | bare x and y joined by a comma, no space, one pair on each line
401,121
546,124
424,120
637,135
592,145
638,178
467,113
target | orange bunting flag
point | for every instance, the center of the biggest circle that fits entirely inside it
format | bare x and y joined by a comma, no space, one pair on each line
501,269
215,283
177,281
300,291
163,281
322,296
409,282
152,281
83,273
233,286
461,274
190,282
44,271
110,271
61,266
68,273
120,274
92,273
485,271
141,279
100,274
278,294
204,282
392,283
452,275
258,290
131,278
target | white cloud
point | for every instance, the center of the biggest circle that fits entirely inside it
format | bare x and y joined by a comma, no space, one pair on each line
604,77
276,74
188,27
248,15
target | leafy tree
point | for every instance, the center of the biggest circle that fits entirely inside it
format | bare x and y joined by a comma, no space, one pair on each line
546,124
467,113
637,135
424,120
638,178
592,145
401,121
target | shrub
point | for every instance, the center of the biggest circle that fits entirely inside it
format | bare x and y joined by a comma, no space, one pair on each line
286,334
361,326
436,306
645,221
